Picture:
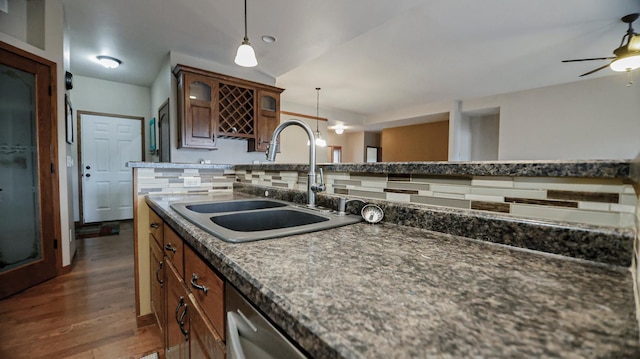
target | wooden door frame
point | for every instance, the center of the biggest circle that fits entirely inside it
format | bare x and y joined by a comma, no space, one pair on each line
159,140
79,159
54,186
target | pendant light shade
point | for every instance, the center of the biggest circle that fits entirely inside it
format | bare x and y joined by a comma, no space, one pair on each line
245,56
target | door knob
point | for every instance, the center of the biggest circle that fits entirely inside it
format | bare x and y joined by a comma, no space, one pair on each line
88,175
88,167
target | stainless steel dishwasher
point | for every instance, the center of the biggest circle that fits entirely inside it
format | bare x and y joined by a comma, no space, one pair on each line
250,335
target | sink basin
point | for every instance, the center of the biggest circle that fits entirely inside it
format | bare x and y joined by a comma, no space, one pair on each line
266,220
234,206
255,219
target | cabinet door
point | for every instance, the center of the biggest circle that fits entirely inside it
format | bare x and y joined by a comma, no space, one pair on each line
204,341
155,227
206,287
268,118
177,314
174,249
199,117
157,280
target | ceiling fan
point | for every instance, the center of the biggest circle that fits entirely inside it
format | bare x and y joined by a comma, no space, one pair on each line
627,55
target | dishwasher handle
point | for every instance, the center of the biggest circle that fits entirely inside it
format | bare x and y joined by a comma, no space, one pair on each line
234,347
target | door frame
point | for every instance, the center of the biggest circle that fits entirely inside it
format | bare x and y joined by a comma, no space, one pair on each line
49,114
79,160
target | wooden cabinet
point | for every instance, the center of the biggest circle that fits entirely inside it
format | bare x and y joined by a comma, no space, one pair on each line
178,307
267,121
187,296
207,289
174,249
197,112
157,279
204,341
212,105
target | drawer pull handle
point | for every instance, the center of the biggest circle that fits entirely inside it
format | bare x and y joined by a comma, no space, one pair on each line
169,247
197,286
180,318
154,225
158,272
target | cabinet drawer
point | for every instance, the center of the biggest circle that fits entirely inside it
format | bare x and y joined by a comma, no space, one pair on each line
174,249
199,276
157,279
155,227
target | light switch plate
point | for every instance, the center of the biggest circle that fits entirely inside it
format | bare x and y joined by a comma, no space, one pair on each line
192,181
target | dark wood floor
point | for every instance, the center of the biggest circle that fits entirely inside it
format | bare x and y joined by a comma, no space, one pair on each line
88,313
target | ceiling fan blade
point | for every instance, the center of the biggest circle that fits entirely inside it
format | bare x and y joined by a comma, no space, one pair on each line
595,58
596,70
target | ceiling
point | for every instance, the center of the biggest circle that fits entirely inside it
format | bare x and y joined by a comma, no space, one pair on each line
368,56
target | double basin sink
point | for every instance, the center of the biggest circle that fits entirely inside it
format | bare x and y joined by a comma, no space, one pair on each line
255,219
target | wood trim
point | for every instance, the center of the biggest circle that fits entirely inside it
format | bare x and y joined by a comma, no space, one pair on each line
69,268
79,159
144,320
303,116
28,55
136,254
180,68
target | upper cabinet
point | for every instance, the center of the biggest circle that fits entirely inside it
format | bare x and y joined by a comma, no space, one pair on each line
212,105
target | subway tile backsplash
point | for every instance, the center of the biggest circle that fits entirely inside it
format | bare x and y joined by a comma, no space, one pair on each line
594,201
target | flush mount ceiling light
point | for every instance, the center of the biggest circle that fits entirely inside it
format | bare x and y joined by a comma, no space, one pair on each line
108,61
339,129
269,39
245,56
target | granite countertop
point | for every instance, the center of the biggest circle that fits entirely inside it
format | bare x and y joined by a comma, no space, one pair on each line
389,291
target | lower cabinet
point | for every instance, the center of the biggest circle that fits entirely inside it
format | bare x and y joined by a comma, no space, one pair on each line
178,307
187,299
204,340
157,279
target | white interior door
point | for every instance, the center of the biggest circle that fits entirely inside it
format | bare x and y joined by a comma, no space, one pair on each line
108,143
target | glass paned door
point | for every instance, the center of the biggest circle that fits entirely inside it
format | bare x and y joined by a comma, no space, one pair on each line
28,188
19,209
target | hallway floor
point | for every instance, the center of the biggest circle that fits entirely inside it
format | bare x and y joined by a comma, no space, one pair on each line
88,313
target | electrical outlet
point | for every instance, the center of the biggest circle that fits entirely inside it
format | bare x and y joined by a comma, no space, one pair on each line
192,181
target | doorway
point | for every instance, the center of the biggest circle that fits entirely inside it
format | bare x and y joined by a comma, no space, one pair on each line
107,143
164,129
29,192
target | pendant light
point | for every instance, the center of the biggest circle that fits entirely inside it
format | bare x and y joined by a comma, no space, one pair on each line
319,140
245,56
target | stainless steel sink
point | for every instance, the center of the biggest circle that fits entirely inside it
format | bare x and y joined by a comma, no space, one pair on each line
256,219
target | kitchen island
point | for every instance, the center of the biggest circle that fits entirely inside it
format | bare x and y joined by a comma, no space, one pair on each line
390,291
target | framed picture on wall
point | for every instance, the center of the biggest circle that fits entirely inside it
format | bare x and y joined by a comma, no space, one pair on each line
152,135
69,119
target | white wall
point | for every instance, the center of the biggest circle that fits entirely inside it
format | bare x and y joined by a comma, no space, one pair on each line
590,119
54,51
107,97
485,132
293,141
14,23
160,92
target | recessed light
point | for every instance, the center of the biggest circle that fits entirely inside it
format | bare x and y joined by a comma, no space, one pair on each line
268,39
108,61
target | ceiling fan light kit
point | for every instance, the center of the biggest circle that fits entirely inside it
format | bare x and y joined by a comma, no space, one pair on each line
627,55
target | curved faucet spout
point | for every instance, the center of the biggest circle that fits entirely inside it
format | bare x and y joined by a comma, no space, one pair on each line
271,156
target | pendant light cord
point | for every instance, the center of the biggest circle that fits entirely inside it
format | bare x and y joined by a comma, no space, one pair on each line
317,108
245,21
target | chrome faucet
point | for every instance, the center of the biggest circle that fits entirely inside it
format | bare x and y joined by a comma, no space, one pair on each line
312,186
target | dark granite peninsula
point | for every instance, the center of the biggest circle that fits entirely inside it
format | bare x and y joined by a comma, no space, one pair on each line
398,290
